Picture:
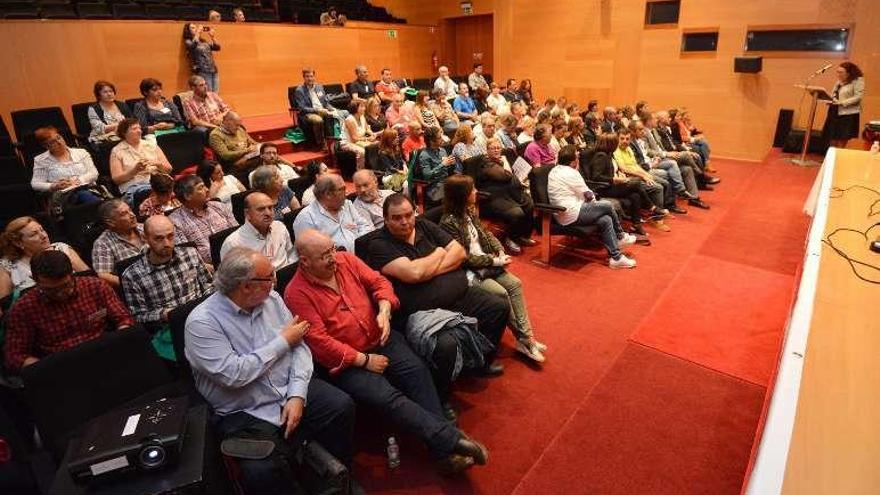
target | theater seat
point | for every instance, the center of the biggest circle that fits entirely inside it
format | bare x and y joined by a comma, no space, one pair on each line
183,149
129,11
547,224
93,11
216,240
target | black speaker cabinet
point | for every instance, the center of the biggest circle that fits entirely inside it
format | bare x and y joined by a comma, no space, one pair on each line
749,65
795,140
783,127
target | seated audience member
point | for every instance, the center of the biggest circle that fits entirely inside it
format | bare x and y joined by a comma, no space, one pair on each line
333,214
433,164
687,133
332,18
198,217
642,108
250,364
476,79
267,180
446,116
525,92
496,101
386,88
480,95
665,138
238,15
166,277
360,353
122,239
314,107
527,135
219,186
662,168
506,133
314,170
356,134
260,232
539,152
201,43
61,313
369,198
464,106
610,120
445,84
106,114
576,133
558,133
692,176
361,88
231,143
205,109
22,239
592,109
68,173
508,200
510,93
375,118
134,160
400,114
602,169
269,156
566,188
424,264
658,189
627,115
214,16
391,161
423,111
486,261
547,109
485,130
156,114
592,130
161,198
415,139
464,147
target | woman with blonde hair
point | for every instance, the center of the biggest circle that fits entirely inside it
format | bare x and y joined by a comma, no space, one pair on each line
21,240
464,147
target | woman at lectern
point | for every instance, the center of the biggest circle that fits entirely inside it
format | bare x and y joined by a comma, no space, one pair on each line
842,123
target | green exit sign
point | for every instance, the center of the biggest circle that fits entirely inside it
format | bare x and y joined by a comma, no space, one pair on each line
392,33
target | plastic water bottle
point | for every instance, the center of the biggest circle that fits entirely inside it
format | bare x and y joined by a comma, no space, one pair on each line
875,148
393,451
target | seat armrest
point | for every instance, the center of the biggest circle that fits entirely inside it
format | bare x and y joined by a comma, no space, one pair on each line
548,207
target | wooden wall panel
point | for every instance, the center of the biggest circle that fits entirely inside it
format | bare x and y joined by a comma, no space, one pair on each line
55,63
590,48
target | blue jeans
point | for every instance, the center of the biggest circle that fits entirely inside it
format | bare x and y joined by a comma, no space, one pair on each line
405,393
673,173
702,148
602,214
133,191
212,80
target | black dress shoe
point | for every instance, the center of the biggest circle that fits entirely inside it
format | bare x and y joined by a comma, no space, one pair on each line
468,447
454,464
493,369
637,229
677,209
686,195
698,203
705,187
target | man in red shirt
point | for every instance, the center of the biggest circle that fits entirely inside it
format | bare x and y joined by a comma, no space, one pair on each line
348,307
414,141
61,312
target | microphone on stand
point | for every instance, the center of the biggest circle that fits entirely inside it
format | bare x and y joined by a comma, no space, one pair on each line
823,69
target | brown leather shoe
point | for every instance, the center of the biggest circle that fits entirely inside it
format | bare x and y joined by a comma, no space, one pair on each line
659,225
454,464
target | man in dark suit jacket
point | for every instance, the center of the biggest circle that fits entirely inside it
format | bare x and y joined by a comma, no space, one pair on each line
680,153
610,122
314,106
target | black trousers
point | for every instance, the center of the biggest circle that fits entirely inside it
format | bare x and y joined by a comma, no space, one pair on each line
404,393
634,196
516,215
328,418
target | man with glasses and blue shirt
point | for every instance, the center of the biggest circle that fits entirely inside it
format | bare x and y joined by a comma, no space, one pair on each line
333,214
249,362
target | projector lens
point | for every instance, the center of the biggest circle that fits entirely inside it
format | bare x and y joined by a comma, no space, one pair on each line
152,456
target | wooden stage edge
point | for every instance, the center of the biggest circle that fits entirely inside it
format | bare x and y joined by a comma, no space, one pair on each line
822,433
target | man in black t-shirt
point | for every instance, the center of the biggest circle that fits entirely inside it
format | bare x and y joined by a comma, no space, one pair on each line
423,263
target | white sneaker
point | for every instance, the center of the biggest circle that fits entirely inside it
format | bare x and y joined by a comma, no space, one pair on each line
530,352
622,262
627,239
541,347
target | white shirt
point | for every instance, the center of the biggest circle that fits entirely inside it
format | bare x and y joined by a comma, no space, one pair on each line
566,188
276,245
287,172
49,170
447,85
373,211
498,103
344,227
229,187
20,269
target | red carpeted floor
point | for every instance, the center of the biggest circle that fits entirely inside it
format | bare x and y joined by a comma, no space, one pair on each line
609,415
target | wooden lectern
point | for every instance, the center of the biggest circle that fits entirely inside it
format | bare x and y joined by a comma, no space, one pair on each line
817,93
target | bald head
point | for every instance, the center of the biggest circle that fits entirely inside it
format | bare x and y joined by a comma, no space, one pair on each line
157,223
330,192
159,234
312,242
259,210
317,254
